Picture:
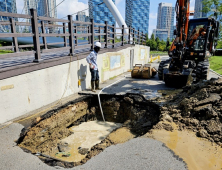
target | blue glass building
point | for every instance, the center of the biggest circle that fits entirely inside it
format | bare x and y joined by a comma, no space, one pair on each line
7,6
100,13
137,14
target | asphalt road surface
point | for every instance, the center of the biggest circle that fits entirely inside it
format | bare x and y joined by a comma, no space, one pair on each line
139,153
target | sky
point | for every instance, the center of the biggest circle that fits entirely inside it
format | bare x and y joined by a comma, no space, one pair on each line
72,6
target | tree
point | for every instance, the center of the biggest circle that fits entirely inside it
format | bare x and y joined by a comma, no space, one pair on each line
214,7
152,37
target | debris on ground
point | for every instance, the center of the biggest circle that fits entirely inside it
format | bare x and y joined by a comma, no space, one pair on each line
198,108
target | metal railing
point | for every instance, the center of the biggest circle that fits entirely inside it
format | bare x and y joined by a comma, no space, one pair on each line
72,31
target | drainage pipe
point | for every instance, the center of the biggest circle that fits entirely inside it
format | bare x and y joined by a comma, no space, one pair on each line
102,90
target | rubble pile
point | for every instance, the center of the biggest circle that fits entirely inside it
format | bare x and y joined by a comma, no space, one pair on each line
198,108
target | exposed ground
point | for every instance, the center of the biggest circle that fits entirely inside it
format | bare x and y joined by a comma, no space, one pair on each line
172,119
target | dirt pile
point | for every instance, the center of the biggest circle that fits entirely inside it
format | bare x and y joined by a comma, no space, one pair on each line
198,108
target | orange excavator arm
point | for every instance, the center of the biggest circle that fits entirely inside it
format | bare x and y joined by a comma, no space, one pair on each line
183,12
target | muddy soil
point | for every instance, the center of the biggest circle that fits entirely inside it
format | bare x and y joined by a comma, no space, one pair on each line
43,137
196,108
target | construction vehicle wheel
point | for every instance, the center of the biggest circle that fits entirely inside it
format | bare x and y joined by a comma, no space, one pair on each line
160,70
202,71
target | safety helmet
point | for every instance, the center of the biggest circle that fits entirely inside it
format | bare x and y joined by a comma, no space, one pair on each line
98,44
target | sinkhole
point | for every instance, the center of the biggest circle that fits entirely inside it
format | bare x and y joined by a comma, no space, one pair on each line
70,135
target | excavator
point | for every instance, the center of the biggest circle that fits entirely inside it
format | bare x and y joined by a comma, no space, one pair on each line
195,41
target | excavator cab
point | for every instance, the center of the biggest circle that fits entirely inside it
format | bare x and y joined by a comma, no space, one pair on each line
189,62
200,39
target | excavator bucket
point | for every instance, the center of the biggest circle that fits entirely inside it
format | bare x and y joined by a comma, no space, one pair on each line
177,80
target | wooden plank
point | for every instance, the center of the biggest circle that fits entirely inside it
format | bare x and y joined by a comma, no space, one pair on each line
6,47
83,43
25,24
83,23
52,25
54,35
8,14
56,43
82,35
55,49
52,19
83,46
24,46
100,24
8,55
5,23
16,35
98,34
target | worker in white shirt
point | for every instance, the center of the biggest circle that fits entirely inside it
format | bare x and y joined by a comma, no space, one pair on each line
92,60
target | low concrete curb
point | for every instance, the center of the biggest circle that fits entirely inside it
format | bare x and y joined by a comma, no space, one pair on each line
216,73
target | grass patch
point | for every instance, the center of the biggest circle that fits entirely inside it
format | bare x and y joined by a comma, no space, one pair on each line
5,51
216,63
158,52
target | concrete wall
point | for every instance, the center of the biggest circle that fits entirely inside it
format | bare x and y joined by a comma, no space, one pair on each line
28,92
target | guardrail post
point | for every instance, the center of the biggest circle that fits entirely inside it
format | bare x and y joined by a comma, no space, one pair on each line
89,37
35,31
142,38
122,35
133,36
92,32
64,31
114,32
138,40
76,37
71,42
106,36
129,34
14,39
99,34
43,31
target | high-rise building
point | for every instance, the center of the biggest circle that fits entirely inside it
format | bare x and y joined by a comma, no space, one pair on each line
165,20
7,6
81,16
137,14
100,13
45,8
162,34
198,9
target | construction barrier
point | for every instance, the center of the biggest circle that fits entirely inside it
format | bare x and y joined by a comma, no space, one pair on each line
155,58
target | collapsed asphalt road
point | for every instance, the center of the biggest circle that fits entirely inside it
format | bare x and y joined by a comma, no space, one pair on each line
138,153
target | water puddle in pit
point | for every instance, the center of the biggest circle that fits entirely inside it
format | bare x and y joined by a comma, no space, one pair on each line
85,136
198,153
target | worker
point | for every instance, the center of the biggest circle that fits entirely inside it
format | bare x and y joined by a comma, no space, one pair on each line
92,61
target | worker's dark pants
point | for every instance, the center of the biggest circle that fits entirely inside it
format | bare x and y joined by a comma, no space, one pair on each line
94,75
